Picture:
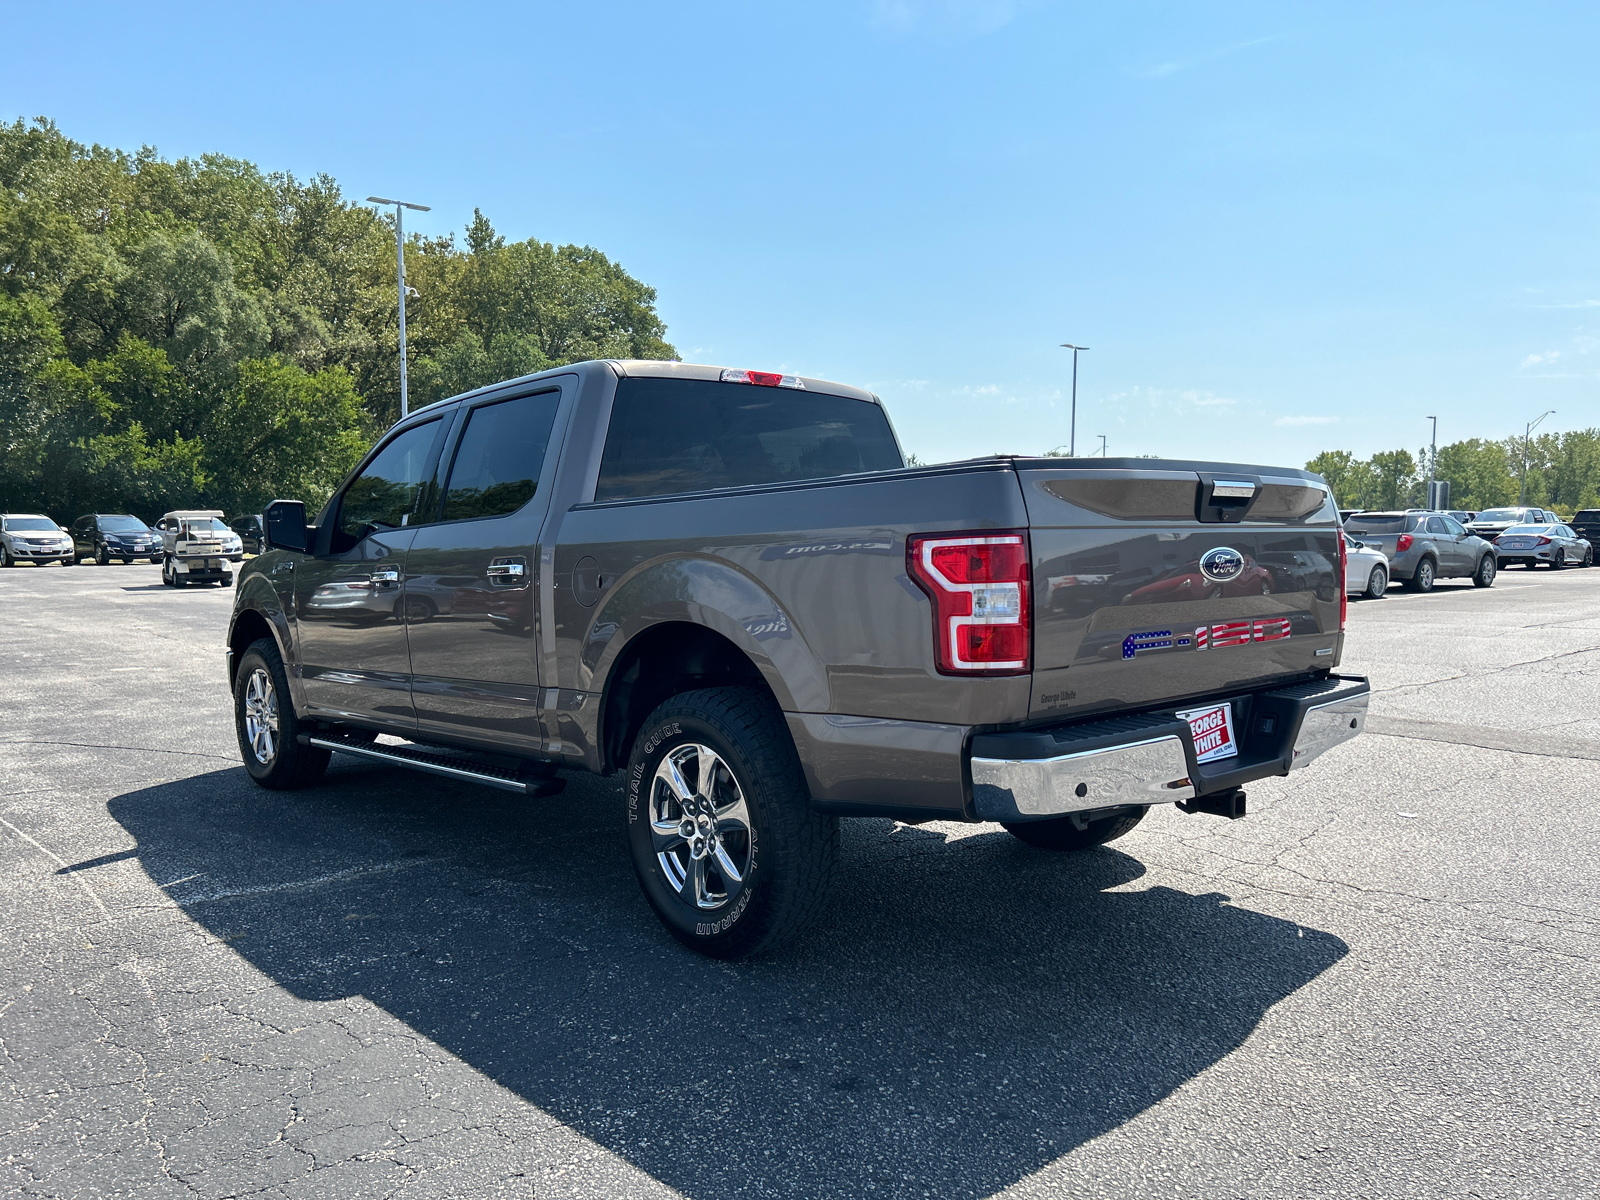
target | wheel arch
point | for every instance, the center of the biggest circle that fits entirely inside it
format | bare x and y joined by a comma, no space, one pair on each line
251,622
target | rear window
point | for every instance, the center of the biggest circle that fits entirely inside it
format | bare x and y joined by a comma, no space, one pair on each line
1377,524
1503,514
689,435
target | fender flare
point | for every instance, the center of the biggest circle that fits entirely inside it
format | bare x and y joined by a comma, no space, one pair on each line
715,595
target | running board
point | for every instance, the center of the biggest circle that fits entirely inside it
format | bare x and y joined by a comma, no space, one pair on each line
440,764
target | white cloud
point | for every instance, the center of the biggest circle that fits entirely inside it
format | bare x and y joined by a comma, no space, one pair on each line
1305,420
1162,70
1549,356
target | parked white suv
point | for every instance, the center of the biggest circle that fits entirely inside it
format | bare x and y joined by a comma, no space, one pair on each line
29,537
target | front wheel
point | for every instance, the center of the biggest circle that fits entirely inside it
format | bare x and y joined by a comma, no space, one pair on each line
726,845
1377,583
1484,575
1559,562
102,557
1078,831
1423,580
266,725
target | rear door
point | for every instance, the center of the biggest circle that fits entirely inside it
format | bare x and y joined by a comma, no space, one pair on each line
1154,585
469,600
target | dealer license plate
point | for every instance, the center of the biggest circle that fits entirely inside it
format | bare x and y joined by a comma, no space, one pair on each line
1213,732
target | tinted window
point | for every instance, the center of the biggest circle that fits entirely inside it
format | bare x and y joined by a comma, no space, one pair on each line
1453,526
685,435
122,525
387,494
1377,524
498,458
1437,525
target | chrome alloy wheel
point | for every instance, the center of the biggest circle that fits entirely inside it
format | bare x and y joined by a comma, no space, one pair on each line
261,716
700,826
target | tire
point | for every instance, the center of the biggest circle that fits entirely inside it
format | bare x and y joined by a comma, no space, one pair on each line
101,557
1377,583
5,557
1484,576
766,877
225,581
414,610
264,721
168,575
1559,562
1065,833
1425,577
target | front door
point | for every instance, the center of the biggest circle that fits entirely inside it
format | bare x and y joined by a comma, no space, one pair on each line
353,658
470,602
1449,537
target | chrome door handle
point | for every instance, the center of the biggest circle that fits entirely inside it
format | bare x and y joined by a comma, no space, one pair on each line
391,575
508,572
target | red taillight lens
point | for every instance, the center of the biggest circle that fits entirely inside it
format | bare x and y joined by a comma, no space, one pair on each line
1541,541
1402,543
763,378
978,583
1344,573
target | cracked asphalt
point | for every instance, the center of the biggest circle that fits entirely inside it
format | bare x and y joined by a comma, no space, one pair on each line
1381,984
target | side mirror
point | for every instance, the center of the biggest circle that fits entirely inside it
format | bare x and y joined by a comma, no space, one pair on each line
284,525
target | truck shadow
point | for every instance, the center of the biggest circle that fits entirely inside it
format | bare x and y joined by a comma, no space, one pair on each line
969,1011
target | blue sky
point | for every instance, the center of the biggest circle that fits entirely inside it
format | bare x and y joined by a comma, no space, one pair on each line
1280,227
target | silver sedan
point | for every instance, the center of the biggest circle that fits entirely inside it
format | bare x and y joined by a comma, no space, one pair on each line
1555,546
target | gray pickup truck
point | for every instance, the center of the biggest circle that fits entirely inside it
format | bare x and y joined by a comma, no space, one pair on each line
728,585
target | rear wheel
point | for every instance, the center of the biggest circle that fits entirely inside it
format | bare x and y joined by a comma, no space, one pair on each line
1559,562
1377,583
1484,575
726,845
1424,578
267,727
1078,831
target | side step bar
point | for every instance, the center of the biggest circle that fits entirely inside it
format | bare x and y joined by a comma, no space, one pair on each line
440,764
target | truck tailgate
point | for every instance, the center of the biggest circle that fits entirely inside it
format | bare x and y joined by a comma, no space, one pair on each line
1157,584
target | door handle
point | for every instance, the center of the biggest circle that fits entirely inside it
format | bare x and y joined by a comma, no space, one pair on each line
508,572
387,575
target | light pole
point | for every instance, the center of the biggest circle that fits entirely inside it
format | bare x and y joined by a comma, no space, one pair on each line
1527,434
1072,442
1102,438
400,270
1433,459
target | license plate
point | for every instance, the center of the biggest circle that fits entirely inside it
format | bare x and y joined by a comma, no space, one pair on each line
1213,732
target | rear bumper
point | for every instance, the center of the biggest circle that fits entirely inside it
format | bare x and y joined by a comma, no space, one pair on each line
1148,758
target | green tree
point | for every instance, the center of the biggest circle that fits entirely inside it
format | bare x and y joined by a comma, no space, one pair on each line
1393,473
1479,474
1349,477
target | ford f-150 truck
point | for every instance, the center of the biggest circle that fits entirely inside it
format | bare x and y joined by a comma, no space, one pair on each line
728,585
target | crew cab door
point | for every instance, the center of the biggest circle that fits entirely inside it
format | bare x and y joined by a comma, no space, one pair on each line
352,652
469,600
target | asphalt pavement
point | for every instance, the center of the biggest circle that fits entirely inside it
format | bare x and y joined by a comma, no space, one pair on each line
1382,983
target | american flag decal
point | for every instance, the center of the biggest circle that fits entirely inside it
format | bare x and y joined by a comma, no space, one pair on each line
1200,637
1231,633
1156,639
1272,631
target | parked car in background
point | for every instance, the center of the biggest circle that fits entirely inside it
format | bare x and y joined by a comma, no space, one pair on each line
1555,546
1492,522
1423,547
196,547
1462,515
249,530
1366,570
1586,524
105,536
32,537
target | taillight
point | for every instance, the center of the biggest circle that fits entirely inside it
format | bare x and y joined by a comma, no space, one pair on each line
763,379
1541,541
1402,543
978,583
1344,592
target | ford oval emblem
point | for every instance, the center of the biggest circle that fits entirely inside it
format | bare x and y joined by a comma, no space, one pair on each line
1222,565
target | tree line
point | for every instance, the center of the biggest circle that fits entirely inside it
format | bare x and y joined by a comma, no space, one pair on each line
200,333
1554,470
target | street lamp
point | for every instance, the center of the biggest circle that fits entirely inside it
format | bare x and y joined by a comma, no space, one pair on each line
1102,438
400,270
1433,460
1527,434
1072,444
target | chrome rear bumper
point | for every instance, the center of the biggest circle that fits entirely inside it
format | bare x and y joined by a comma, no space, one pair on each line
1148,758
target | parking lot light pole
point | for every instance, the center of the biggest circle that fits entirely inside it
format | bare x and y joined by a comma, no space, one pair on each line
1072,442
400,271
1433,461
1102,438
1527,434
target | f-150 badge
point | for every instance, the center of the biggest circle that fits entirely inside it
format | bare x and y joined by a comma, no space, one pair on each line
1220,635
